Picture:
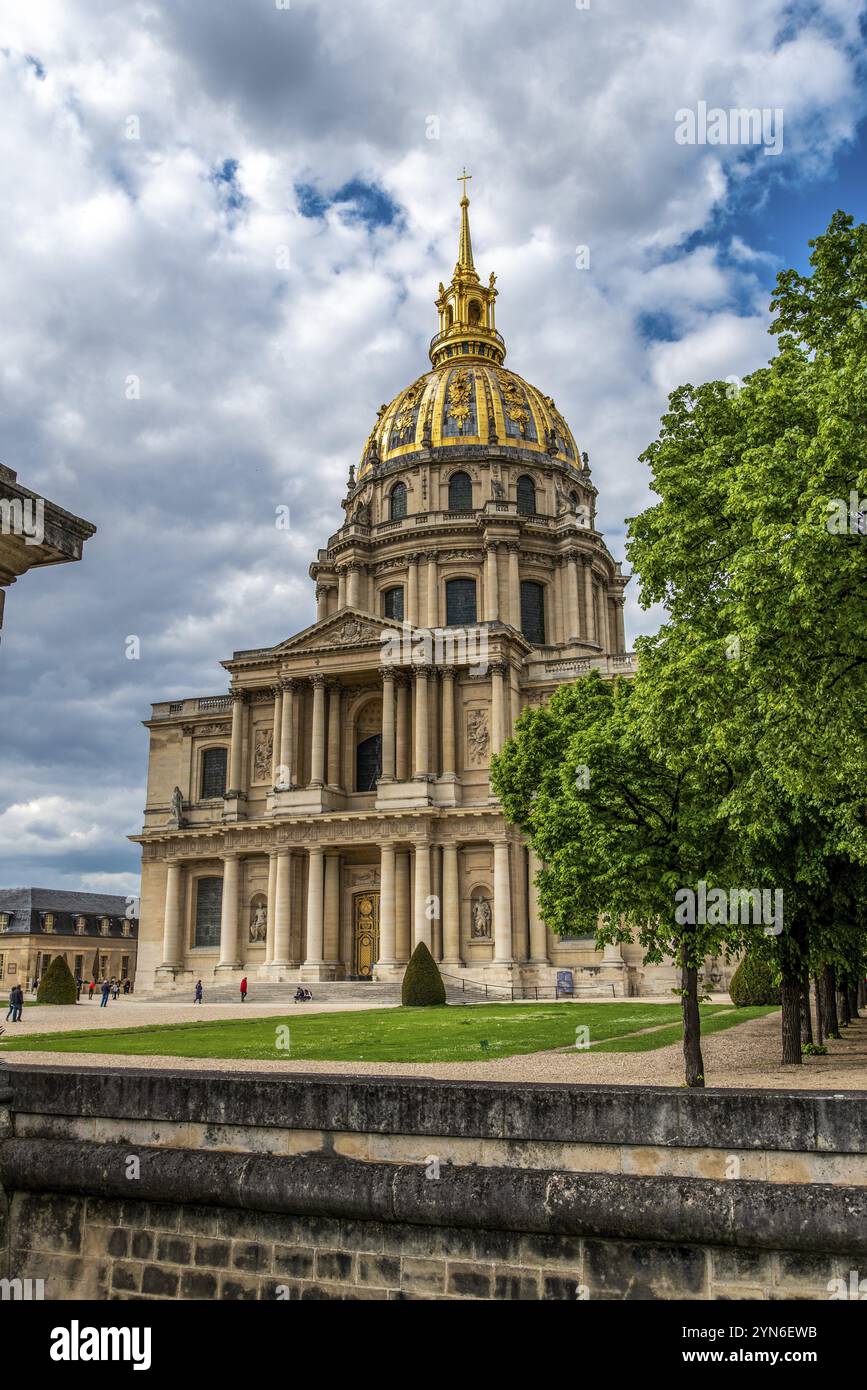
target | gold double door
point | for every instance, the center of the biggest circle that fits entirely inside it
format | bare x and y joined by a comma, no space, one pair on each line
365,933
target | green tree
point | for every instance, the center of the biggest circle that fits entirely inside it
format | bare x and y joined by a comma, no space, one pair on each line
422,985
625,831
57,985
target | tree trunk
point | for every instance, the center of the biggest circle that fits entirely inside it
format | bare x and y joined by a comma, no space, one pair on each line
791,994
862,993
842,1005
817,981
829,1003
693,1061
852,995
806,1015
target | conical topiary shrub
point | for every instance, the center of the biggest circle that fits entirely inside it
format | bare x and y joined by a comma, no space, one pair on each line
422,983
753,983
57,985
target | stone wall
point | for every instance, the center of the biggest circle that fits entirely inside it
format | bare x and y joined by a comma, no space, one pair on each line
132,1184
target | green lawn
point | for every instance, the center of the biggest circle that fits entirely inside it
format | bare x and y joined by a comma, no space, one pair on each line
452,1034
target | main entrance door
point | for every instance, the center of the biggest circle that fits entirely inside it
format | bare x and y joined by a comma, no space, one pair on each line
366,933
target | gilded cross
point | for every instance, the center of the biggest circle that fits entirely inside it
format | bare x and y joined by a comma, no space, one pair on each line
462,178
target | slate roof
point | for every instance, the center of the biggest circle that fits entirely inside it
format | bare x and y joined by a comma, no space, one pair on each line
26,904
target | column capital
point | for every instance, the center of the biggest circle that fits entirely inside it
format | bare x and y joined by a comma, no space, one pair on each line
238,696
448,673
587,561
513,547
290,684
423,672
318,680
498,668
413,559
387,673
491,544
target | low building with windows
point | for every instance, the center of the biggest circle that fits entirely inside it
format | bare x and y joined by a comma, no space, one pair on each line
97,933
334,807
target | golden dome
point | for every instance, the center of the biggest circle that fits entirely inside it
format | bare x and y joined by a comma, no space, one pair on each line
469,397
460,403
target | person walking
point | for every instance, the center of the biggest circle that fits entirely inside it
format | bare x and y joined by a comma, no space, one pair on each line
244,990
12,999
106,989
115,990
198,998
19,1004
90,988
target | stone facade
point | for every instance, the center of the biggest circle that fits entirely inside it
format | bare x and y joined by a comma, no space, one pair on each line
334,808
264,1187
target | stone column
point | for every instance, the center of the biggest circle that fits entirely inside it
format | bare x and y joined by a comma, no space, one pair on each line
498,671
433,615
172,951
387,925
422,930
621,630
315,906
334,729
331,930
287,735
402,944
448,723
283,907
421,771
589,622
236,752
341,588
492,583
387,673
559,601
276,735
353,587
514,616
321,602
271,909
502,905
412,591
403,730
229,958
317,763
451,907
538,930
573,620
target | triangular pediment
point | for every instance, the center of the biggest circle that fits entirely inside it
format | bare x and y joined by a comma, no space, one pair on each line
351,627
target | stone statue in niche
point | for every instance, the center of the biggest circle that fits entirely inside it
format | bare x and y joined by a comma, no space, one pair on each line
263,754
480,919
498,492
176,815
258,923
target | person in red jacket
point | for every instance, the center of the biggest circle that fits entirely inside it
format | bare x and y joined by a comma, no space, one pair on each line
244,990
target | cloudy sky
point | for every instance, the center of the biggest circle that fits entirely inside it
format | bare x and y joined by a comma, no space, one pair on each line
247,207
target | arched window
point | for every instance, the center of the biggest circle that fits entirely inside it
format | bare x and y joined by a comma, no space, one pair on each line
209,904
397,502
450,316
392,603
526,496
460,493
573,499
368,763
475,313
213,773
460,602
533,612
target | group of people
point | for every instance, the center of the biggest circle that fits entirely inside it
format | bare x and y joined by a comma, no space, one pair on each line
302,995
16,1004
109,989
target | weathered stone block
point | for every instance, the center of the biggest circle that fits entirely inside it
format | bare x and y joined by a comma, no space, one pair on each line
161,1282
293,1261
644,1271
468,1281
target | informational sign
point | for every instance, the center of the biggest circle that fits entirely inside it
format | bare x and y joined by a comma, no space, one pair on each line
12,968
565,983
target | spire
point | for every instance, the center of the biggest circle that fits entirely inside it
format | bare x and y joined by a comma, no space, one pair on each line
467,307
465,247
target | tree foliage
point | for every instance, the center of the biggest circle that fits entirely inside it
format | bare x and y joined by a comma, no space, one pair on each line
422,985
57,985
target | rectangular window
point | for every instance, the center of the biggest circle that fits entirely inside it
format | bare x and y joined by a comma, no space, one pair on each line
79,968
209,905
213,773
124,967
460,602
393,604
2,964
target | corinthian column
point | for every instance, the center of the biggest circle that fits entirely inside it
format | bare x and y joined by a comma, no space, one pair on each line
287,735
412,591
451,907
422,730
276,735
283,907
236,752
433,616
334,698
172,952
271,912
514,615
422,893
314,908
229,959
402,943
317,762
492,583
538,930
387,673
387,906
448,722
341,588
321,602
403,730
498,671
502,905
621,631
589,620
353,589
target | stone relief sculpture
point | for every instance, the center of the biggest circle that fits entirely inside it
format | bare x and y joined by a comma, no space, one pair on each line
263,754
480,919
258,922
478,740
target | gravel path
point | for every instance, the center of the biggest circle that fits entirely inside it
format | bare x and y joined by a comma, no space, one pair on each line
744,1056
